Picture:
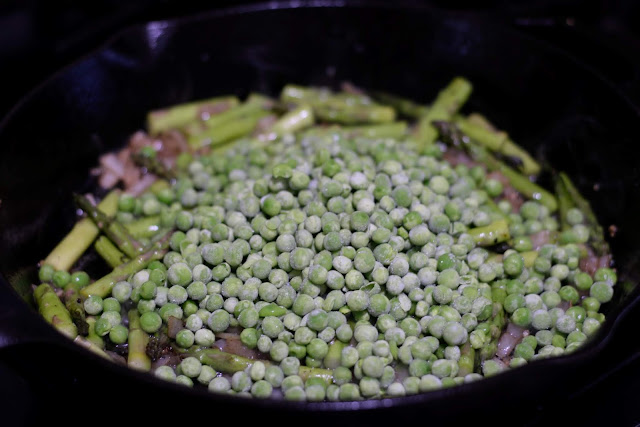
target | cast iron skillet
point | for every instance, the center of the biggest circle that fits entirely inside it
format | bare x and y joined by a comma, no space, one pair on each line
560,109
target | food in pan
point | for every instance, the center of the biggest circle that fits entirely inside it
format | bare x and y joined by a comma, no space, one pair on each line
328,245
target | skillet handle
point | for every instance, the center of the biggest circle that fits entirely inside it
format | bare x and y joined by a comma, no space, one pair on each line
19,323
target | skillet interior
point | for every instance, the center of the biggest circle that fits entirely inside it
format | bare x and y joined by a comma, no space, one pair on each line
548,102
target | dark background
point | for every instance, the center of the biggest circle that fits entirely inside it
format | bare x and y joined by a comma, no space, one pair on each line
39,37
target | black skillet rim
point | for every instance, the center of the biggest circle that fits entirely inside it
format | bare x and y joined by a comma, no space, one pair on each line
585,353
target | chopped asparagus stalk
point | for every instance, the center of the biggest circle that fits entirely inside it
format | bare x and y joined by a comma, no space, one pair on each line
332,359
73,302
517,180
153,165
352,115
403,106
181,115
489,235
109,252
138,340
54,311
230,363
78,240
102,287
596,235
92,336
395,130
529,258
91,346
344,108
499,142
144,228
227,131
497,324
448,102
254,105
466,363
112,228
299,118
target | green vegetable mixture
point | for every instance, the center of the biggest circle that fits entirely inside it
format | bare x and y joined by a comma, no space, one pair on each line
332,245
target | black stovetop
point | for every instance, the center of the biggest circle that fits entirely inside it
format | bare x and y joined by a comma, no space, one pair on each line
39,37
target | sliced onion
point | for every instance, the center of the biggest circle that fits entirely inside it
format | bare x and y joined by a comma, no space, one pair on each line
351,88
540,239
509,339
265,123
140,139
206,111
500,362
131,176
118,358
112,163
165,360
513,197
173,143
458,157
236,347
228,336
499,177
139,187
592,262
564,305
174,325
604,261
108,179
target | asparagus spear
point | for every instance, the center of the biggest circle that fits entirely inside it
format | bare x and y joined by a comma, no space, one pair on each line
94,338
499,142
466,363
138,340
109,252
496,210
403,106
293,121
564,203
254,104
154,165
355,114
230,363
529,258
54,311
89,345
144,228
306,372
445,106
112,228
517,180
78,240
596,235
296,94
332,359
497,325
344,108
159,185
220,361
489,235
181,115
73,302
102,287
227,131
396,130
